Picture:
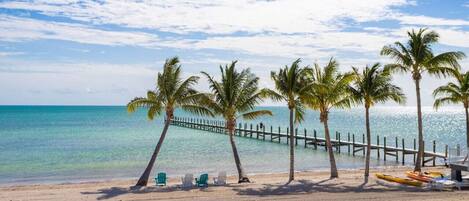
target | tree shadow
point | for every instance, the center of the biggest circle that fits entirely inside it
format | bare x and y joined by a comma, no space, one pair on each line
107,193
304,186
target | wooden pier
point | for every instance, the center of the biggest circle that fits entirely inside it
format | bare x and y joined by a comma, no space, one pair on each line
352,145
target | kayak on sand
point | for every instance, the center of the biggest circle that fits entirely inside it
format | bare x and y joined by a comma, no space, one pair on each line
398,179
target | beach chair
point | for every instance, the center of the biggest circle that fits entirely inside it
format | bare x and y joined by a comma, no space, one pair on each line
160,179
187,180
221,179
202,180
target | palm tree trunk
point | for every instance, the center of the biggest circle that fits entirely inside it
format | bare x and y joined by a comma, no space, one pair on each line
368,143
467,126
242,177
334,173
418,162
143,181
292,149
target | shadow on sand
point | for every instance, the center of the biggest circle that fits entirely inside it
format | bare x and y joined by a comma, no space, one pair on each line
296,187
327,185
107,193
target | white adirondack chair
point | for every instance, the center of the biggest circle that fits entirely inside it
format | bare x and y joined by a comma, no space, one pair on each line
187,180
221,179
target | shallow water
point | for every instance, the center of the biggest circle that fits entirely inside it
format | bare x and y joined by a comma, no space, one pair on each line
43,144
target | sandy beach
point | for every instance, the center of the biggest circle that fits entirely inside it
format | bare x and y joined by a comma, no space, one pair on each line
307,186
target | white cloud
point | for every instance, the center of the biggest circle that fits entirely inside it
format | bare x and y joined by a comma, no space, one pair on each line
20,29
5,54
305,45
430,21
218,17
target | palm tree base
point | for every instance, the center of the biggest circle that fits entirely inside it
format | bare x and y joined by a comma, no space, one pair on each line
141,183
244,180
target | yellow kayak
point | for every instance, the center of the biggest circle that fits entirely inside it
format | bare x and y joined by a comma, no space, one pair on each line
398,179
434,174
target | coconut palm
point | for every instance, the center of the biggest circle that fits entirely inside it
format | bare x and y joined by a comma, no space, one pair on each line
370,86
455,93
417,57
329,89
291,84
171,92
235,96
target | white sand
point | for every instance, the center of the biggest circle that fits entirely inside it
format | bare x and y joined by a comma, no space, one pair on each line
308,186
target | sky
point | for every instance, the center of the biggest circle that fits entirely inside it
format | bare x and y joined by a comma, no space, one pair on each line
67,52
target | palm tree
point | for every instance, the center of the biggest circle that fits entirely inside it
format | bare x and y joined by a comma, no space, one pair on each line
454,93
291,84
373,85
329,89
416,57
235,96
171,92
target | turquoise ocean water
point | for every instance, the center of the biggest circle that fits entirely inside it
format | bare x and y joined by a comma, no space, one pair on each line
55,144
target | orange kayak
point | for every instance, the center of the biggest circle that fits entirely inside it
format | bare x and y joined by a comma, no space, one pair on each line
419,176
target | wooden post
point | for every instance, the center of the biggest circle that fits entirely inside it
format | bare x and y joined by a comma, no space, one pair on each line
339,143
245,129
446,155
384,148
336,140
271,133
423,156
377,145
250,131
263,133
257,131
415,148
288,138
353,144
305,138
403,151
434,150
240,127
397,152
279,135
315,140
348,144
363,142
296,136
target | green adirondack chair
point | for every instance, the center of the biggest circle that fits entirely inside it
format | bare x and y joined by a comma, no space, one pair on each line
160,179
202,180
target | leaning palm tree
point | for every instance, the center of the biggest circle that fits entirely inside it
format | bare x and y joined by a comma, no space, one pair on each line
373,85
416,57
291,84
235,96
455,93
171,92
329,89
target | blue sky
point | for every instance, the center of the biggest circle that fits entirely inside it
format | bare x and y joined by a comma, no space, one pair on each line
107,52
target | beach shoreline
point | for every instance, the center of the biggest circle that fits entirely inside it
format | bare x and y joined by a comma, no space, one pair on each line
309,185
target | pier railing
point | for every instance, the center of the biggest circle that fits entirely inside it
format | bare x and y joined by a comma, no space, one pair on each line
383,149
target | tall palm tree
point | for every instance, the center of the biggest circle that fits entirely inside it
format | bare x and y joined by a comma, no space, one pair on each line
329,89
454,93
171,92
235,96
291,84
370,86
417,57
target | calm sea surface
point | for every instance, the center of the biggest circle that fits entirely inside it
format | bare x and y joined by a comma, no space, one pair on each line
50,144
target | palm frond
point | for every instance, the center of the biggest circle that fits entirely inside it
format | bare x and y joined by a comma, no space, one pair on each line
255,114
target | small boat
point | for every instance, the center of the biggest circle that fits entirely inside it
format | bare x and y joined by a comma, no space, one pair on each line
419,176
398,179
